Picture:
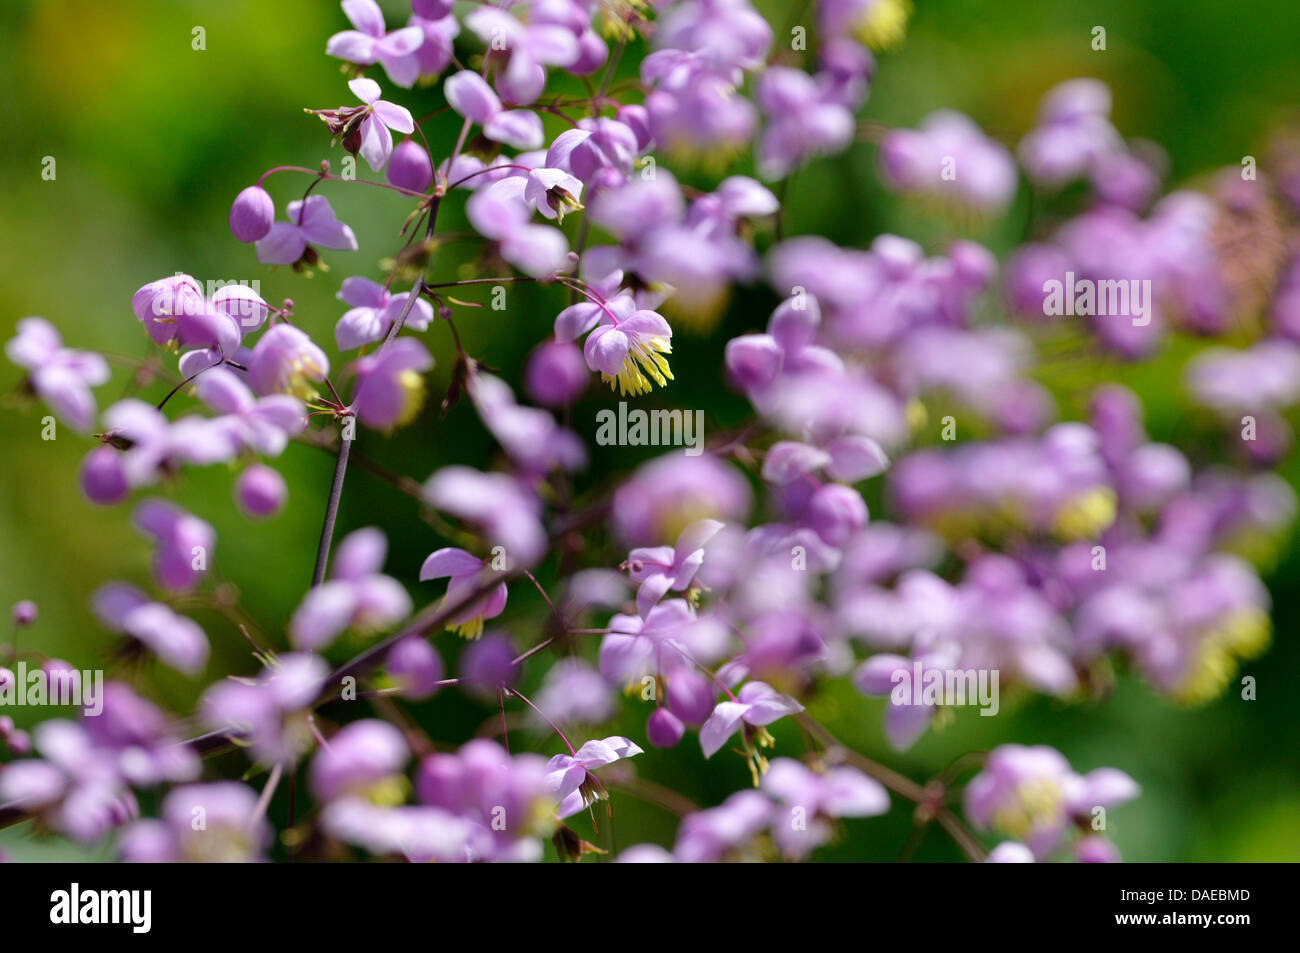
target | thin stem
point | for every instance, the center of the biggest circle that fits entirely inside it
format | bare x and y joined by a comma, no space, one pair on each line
541,714
331,512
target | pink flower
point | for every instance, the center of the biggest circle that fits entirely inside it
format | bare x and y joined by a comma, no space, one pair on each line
464,574
376,140
311,221
371,42
569,777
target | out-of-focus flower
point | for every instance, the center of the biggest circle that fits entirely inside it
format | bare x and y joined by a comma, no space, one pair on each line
60,376
357,595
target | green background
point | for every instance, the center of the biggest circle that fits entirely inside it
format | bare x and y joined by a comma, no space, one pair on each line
152,140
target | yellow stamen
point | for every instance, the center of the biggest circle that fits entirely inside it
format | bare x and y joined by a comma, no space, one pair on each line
644,363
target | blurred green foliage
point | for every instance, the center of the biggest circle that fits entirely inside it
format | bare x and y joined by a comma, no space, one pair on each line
153,139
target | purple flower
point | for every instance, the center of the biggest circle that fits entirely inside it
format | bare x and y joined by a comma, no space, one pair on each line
657,570
183,543
757,706
535,443
1032,794
137,732
530,46
156,446
60,376
174,309
810,801
473,98
371,43
670,492
177,641
552,192
310,221
270,713
356,595
723,832
500,212
390,384
264,424
373,312
233,830
1073,135
380,116
505,513
414,667
570,780
285,361
365,759
252,214
670,633
573,693
464,574
260,491
802,121
410,167
75,787
949,157
556,373
900,679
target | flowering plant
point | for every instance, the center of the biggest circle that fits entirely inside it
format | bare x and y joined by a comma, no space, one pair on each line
729,593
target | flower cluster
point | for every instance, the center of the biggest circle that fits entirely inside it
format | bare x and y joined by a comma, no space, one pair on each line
1018,532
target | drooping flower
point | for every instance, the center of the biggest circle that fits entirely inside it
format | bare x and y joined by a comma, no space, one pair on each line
471,96
61,376
657,570
464,574
371,42
252,214
1032,794
811,801
357,595
285,361
627,349
374,309
183,543
264,424
177,641
571,780
311,221
531,47
390,384
376,144
756,706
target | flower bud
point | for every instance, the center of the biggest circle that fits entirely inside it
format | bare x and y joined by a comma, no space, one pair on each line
409,167
664,729
103,479
24,613
260,491
690,696
556,373
415,665
252,214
